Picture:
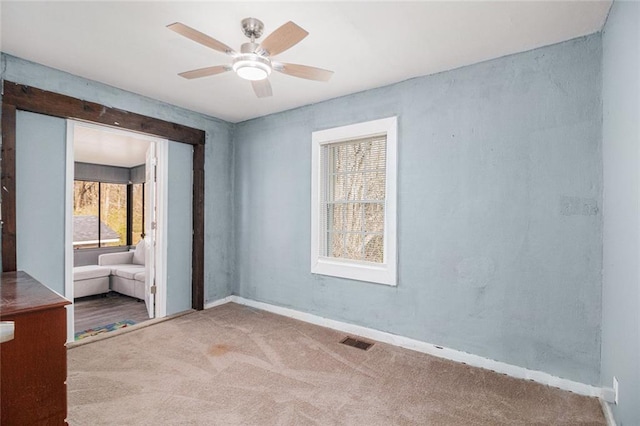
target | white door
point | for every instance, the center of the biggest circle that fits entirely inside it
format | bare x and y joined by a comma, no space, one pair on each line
150,220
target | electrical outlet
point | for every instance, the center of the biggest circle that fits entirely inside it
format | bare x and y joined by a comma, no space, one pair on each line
615,389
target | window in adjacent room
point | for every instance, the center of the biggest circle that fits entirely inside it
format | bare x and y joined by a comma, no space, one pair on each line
137,220
86,198
113,213
354,201
99,214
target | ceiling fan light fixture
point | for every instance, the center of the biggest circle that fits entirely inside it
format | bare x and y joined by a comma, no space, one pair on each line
252,67
253,62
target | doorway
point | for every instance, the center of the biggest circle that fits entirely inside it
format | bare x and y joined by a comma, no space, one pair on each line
115,214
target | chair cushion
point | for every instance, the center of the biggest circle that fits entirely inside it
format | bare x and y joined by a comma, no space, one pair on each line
138,254
128,271
114,268
117,258
90,271
140,276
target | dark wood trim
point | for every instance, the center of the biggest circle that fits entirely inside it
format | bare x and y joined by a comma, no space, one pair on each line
8,187
197,260
129,239
99,214
26,98
30,99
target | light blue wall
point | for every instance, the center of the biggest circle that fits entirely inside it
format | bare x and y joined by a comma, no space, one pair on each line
219,243
40,185
500,228
180,230
499,210
621,158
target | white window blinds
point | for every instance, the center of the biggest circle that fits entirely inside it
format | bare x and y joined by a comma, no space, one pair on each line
352,211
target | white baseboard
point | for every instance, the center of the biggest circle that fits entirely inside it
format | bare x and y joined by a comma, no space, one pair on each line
428,348
608,395
219,302
608,414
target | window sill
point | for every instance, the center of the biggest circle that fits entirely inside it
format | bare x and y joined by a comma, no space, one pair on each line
360,271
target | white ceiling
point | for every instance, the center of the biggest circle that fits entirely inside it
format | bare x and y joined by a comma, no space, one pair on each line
112,148
367,44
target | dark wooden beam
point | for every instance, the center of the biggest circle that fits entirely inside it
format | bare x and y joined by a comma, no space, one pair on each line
197,260
30,99
26,98
8,187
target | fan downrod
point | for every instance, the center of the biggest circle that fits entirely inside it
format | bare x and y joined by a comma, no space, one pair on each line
252,28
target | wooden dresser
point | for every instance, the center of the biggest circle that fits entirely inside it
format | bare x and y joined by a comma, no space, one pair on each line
33,366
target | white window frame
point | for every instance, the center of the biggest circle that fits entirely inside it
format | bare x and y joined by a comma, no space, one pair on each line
380,273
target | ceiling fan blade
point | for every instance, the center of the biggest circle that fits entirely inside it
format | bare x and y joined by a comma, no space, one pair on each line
288,35
201,38
262,88
205,72
303,71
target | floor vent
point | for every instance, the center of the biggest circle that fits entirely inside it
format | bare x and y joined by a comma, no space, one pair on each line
360,344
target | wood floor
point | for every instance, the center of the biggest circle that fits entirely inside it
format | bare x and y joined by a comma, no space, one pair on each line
96,311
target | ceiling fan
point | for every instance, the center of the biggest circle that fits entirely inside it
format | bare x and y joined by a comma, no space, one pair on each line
254,61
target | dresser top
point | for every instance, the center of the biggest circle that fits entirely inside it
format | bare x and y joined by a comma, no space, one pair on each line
21,293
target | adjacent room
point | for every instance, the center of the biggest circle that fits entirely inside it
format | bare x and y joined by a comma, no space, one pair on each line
256,213
109,211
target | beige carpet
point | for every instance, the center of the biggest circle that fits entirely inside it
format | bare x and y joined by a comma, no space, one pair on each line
233,365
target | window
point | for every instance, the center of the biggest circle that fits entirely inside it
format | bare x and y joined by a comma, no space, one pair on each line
354,201
99,214
137,220
85,214
113,214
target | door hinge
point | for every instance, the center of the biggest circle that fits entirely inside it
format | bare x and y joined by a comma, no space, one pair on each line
153,289
154,225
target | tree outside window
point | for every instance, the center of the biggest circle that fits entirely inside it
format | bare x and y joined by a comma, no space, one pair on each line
99,214
137,223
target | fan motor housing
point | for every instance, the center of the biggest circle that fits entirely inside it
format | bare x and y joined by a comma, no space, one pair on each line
252,28
249,48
